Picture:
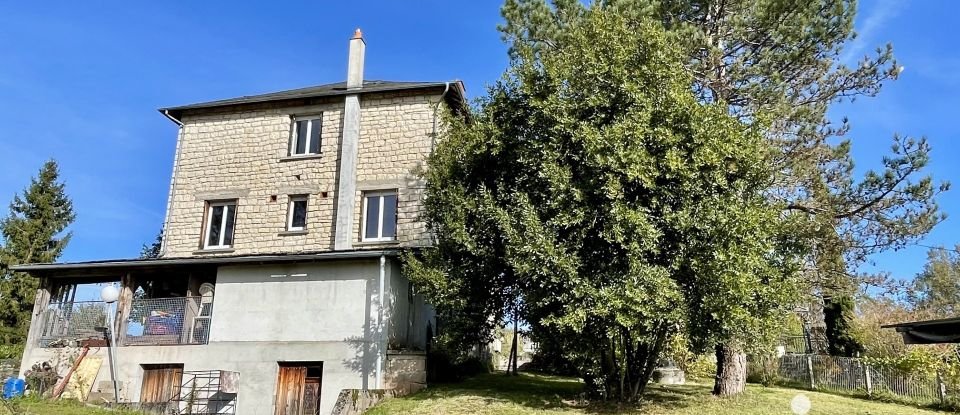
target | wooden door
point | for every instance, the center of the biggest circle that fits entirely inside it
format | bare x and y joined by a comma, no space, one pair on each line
290,390
161,383
311,396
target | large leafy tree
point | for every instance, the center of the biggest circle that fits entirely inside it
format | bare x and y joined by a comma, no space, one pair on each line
596,195
937,287
784,59
33,232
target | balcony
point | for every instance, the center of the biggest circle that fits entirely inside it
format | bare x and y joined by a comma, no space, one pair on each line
167,321
68,323
151,322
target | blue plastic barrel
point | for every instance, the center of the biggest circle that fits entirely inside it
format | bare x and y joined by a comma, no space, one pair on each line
13,387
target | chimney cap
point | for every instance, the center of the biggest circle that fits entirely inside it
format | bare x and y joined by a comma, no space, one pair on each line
357,34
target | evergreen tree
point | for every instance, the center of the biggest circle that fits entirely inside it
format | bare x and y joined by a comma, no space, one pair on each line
838,315
33,232
152,250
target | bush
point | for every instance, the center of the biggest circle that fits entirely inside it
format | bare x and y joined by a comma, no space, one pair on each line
547,362
11,351
446,367
41,378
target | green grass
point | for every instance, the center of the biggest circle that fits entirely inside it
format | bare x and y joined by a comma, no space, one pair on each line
28,406
531,394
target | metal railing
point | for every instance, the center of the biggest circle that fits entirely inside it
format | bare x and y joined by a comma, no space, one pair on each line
162,321
68,322
850,375
803,344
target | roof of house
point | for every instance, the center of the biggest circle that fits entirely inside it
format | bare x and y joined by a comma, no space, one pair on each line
326,90
945,330
107,267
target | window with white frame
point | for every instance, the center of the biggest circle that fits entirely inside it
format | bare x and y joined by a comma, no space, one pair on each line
379,216
221,216
305,139
297,213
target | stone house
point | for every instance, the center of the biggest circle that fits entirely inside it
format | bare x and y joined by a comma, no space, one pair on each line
279,283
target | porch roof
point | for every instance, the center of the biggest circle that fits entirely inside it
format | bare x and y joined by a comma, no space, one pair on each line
107,267
945,330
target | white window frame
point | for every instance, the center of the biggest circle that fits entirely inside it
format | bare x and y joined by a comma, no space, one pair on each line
223,223
363,218
290,207
314,120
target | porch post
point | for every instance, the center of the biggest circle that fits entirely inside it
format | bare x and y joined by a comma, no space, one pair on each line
124,303
40,303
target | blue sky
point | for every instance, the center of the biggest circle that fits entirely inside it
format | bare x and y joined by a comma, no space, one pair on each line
81,83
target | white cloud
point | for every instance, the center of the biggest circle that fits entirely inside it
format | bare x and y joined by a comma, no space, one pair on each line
876,17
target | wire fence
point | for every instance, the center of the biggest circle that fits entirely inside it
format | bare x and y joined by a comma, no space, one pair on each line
151,321
179,320
63,323
852,375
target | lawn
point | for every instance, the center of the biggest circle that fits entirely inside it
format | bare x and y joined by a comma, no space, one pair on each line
64,407
531,394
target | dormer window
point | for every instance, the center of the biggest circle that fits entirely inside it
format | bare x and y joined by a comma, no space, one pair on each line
305,139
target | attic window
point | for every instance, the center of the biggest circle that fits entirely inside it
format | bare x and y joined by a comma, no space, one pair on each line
305,137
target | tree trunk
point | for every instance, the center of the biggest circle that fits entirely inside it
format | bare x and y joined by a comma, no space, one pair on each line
731,376
516,348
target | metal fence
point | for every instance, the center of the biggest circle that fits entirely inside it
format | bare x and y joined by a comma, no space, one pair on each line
151,321
158,321
803,344
850,375
63,323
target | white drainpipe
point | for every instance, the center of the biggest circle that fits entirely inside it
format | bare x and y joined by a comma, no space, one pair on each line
173,181
382,341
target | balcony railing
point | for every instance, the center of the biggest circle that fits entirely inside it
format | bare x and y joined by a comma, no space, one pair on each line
162,321
151,321
62,324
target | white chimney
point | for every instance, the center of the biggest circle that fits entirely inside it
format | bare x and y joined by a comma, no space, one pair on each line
355,62
349,144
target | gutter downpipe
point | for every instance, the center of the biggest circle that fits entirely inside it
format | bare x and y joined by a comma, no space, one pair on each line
433,138
173,181
383,332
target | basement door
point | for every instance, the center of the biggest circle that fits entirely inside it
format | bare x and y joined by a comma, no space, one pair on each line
298,388
161,383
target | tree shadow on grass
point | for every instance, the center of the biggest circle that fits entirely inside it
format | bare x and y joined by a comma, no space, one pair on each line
543,392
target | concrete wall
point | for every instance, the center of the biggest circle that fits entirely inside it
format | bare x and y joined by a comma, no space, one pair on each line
263,315
336,301
256,362
241,153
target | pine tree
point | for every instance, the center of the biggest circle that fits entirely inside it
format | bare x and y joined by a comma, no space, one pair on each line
33,232
152,250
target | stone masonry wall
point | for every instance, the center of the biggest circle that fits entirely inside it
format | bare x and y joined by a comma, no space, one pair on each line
243,154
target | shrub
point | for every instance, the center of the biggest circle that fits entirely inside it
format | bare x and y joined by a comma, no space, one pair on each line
446,367
41,378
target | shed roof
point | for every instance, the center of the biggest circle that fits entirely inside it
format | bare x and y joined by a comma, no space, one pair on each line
945,330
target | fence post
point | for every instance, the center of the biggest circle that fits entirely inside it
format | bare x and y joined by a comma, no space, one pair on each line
813,384
866,376
941,389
